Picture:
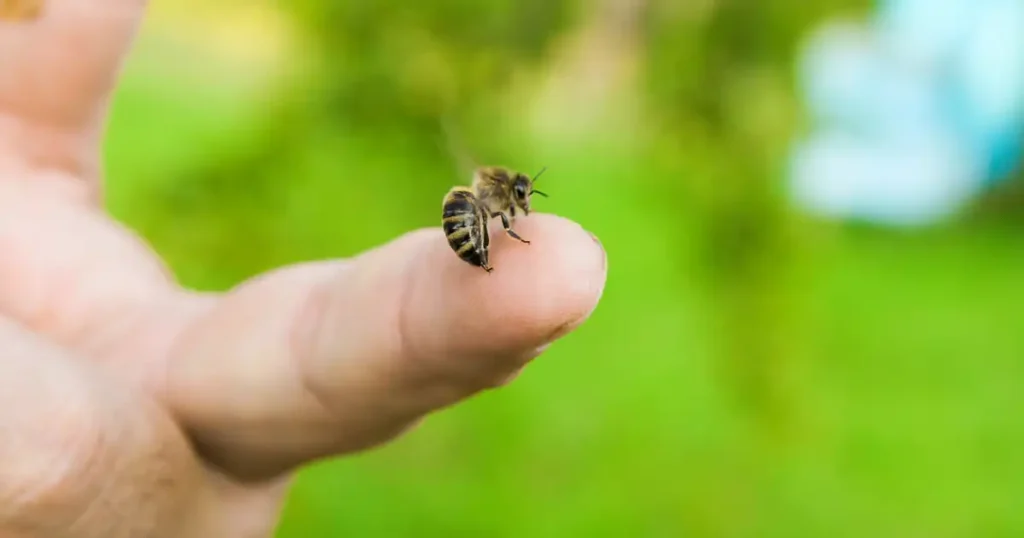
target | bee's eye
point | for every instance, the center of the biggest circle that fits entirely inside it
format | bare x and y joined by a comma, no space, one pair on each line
521,190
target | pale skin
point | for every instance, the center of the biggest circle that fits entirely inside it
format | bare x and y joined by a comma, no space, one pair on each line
132,407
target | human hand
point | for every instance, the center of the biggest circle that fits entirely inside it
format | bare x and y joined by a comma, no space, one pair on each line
131,407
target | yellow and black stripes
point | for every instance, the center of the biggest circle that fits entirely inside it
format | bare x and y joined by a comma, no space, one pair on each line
465,225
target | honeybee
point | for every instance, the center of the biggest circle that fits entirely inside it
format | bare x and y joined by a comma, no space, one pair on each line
494,192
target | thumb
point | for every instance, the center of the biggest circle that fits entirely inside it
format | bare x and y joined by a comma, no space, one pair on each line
78,456
59,67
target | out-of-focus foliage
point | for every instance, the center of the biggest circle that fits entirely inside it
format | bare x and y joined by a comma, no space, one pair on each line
749,372
426,58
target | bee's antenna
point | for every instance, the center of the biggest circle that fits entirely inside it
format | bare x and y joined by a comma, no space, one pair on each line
534,191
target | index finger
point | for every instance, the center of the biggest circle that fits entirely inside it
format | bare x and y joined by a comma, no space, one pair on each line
332,358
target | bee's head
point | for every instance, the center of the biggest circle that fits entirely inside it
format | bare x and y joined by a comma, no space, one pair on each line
522,188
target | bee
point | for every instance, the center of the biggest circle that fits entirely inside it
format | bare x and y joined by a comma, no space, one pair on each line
494,192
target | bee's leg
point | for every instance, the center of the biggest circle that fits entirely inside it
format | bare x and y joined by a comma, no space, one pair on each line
484,263
508,228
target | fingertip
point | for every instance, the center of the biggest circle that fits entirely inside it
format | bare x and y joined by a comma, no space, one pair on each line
551,285
536,293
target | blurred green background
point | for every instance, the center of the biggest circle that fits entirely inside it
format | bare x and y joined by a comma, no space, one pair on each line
750,372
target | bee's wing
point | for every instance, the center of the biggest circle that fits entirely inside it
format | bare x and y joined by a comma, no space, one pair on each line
464,163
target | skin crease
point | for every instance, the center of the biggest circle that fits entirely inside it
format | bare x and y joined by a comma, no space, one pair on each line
131,407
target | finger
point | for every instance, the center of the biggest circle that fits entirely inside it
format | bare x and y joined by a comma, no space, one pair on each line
80,457
334,357
58,71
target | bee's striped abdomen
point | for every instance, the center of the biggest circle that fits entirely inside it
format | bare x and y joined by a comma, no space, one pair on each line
465,227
